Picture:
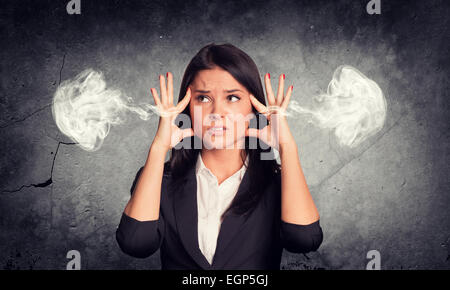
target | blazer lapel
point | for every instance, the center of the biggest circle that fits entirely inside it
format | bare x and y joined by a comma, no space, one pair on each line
231,225
186,215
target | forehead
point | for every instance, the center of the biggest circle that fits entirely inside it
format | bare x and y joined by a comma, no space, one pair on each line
216,78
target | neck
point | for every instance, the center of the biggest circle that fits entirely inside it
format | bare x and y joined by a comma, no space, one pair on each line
222,162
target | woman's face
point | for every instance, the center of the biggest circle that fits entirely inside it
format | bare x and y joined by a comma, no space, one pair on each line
220,109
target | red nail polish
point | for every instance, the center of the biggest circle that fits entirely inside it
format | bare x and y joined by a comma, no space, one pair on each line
268,74
292,87
167,74
284,77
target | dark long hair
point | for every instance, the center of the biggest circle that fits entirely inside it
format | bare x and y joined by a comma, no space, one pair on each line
244,70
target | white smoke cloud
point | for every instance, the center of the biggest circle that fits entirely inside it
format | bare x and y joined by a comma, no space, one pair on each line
354,106
84,109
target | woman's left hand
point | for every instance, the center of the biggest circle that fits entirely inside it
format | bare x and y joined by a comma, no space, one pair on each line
277,132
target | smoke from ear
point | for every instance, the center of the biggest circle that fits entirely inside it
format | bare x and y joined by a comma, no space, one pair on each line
84,109
354,106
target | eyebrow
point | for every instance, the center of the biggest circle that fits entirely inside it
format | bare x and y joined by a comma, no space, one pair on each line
228,91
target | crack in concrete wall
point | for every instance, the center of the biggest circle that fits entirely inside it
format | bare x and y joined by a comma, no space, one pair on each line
48,181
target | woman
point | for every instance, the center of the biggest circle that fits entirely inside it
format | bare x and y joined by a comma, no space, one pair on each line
226,204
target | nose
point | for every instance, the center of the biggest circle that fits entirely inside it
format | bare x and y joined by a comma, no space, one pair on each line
218,111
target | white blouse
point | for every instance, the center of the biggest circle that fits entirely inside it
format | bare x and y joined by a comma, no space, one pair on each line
212,200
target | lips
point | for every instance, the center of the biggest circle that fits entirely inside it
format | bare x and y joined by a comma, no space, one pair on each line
217,130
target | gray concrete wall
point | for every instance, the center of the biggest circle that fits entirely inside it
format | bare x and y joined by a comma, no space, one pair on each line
389,194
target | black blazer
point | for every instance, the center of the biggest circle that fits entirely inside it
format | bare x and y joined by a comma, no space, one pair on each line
244,243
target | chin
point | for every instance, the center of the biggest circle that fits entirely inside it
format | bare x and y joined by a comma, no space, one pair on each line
221,142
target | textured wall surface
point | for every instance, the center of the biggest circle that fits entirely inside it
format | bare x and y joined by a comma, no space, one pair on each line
389,194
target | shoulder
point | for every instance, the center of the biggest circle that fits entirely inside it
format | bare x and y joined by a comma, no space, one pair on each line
276,184
167,171
276,177
272,192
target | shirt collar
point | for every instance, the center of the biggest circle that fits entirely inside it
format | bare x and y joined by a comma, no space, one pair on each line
201,168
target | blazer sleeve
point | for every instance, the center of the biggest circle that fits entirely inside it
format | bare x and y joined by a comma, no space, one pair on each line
298,238
301,238
140,239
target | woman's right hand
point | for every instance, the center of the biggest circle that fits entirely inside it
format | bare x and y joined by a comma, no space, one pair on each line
168,134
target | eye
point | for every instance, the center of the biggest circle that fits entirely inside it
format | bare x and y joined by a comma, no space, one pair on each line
202,98
234,96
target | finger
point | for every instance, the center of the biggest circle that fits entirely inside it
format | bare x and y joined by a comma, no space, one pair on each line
287,98
170,88
280,92
155,97
163,88
269,91
185,101
257,104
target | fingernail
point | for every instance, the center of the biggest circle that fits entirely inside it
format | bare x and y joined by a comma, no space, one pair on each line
284,77
167,74
292,87
268,74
